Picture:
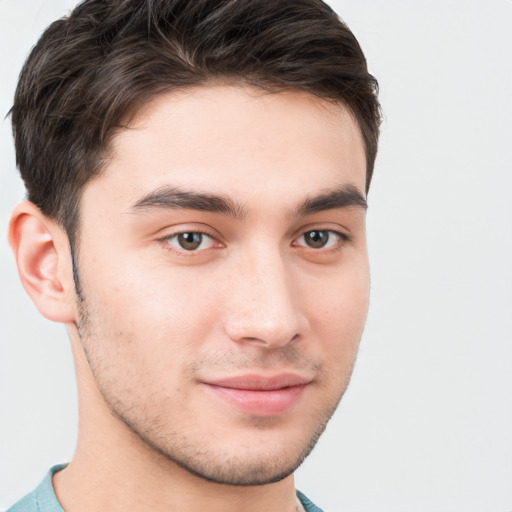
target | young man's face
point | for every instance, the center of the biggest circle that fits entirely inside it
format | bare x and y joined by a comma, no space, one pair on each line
224,275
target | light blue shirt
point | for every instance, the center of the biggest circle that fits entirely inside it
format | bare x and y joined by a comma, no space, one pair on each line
43,499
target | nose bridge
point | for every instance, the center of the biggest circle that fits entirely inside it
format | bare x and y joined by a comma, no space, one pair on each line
263,308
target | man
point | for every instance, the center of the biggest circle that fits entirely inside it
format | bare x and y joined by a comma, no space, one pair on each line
196,175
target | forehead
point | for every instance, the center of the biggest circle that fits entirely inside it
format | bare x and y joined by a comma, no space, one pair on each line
232,140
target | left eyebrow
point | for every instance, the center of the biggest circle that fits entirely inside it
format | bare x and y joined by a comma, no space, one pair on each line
343,197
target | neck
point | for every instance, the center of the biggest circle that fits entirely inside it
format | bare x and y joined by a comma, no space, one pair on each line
102,484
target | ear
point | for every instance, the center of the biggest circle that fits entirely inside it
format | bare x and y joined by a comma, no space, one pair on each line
43,257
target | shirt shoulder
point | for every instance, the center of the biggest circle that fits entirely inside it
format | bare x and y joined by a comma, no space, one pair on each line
42,499
308,505
27,504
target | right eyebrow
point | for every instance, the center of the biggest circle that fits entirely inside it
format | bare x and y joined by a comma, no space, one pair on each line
171,198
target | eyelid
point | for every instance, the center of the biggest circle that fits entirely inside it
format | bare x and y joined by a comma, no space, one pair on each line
188,227
338,229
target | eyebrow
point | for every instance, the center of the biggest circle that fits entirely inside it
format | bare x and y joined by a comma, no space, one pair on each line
343,197
176,199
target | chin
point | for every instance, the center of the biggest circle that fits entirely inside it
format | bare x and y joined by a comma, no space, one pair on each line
265,457
243,470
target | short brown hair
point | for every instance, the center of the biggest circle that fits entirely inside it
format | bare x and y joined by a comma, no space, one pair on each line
92,70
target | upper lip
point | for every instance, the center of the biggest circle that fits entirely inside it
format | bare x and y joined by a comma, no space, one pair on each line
255,382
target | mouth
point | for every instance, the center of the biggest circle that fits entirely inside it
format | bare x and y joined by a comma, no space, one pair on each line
259,395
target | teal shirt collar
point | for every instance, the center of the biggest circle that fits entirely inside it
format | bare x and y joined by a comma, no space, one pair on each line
43,499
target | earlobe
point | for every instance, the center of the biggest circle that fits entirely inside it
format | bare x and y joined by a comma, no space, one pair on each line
42,255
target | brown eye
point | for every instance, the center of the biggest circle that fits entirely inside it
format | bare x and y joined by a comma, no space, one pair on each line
320,239
190,241
316,239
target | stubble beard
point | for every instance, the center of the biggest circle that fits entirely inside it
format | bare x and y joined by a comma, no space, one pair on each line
177,448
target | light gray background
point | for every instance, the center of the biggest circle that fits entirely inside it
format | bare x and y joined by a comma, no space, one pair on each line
426,425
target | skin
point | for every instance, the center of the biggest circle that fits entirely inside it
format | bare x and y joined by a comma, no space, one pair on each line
155,323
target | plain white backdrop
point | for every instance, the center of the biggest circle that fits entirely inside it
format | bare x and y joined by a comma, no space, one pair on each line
426,425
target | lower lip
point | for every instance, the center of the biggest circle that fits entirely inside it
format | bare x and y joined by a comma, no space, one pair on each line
260,403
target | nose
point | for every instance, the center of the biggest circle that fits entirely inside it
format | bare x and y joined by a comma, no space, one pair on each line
263,308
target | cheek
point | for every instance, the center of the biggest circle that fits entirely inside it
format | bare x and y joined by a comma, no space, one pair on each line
337,312
143,327
147,320
154,296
